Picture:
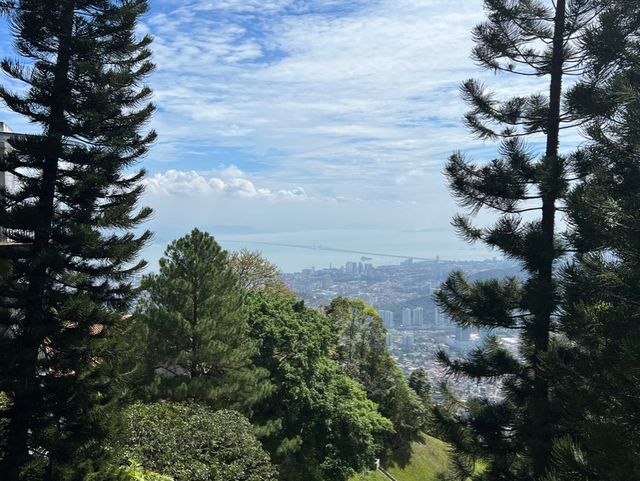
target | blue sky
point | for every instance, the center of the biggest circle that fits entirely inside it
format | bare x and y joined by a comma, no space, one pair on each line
308,116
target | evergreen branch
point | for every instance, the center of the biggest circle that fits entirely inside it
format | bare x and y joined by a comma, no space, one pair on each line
490,362
482,303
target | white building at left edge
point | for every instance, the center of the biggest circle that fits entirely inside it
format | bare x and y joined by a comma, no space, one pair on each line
6,179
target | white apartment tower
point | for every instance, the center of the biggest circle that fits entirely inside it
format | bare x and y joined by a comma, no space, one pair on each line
406,317
439,318
407,342
387,318
418,317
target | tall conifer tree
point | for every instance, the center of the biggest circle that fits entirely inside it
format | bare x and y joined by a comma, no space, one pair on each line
72,217
598,361
543,40
192,315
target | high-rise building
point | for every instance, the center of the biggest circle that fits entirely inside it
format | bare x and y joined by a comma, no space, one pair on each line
351,268
389,340
406,317
418,317
441,320
407,342
387,318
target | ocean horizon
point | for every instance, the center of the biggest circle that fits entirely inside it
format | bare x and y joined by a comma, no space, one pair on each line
319,249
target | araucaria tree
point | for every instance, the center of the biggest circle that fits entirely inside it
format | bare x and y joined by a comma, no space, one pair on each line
598,364
194,329
72,213
527,188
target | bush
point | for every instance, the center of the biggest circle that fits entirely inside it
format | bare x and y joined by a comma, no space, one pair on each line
193,443
137,473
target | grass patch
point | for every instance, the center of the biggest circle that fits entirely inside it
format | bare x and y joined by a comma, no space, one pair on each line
426,459
370,476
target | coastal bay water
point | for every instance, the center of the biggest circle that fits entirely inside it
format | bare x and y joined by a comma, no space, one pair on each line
296,250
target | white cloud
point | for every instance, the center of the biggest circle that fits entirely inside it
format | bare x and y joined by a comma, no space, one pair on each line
317,96
182,183
227,181
363,101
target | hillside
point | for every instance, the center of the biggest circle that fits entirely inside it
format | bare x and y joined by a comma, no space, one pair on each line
427,459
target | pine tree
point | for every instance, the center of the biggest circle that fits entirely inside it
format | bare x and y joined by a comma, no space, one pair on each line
195,345
419,382
539,39
72,217
598,360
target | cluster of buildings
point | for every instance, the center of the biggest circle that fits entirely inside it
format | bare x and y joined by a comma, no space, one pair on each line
403,296
419,348
414,318
358,268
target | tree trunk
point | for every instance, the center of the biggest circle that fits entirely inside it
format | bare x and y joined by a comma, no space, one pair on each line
37,326
540,407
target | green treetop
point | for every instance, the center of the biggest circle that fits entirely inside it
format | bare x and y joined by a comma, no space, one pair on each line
194,329
319,423
419,382
362,349
363,354
256,273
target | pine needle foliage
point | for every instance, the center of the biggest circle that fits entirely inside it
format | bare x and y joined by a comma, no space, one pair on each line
527,191
598,360
72,217
191,330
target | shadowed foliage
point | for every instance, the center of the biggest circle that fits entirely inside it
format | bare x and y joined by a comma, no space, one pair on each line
74,210
526,190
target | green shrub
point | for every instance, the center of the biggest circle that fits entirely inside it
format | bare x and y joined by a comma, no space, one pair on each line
137,473
193,443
